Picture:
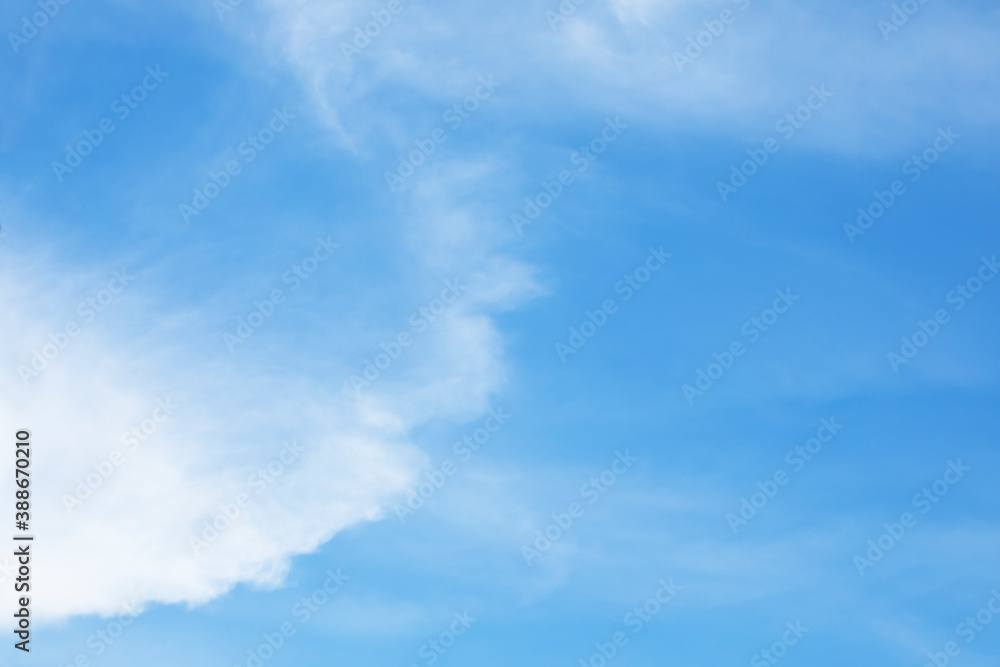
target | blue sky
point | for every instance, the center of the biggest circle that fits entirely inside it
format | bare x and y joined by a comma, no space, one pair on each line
369,388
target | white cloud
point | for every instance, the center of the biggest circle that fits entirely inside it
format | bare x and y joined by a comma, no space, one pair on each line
130,541
618,57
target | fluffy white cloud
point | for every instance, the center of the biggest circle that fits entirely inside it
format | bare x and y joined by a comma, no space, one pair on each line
131,540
